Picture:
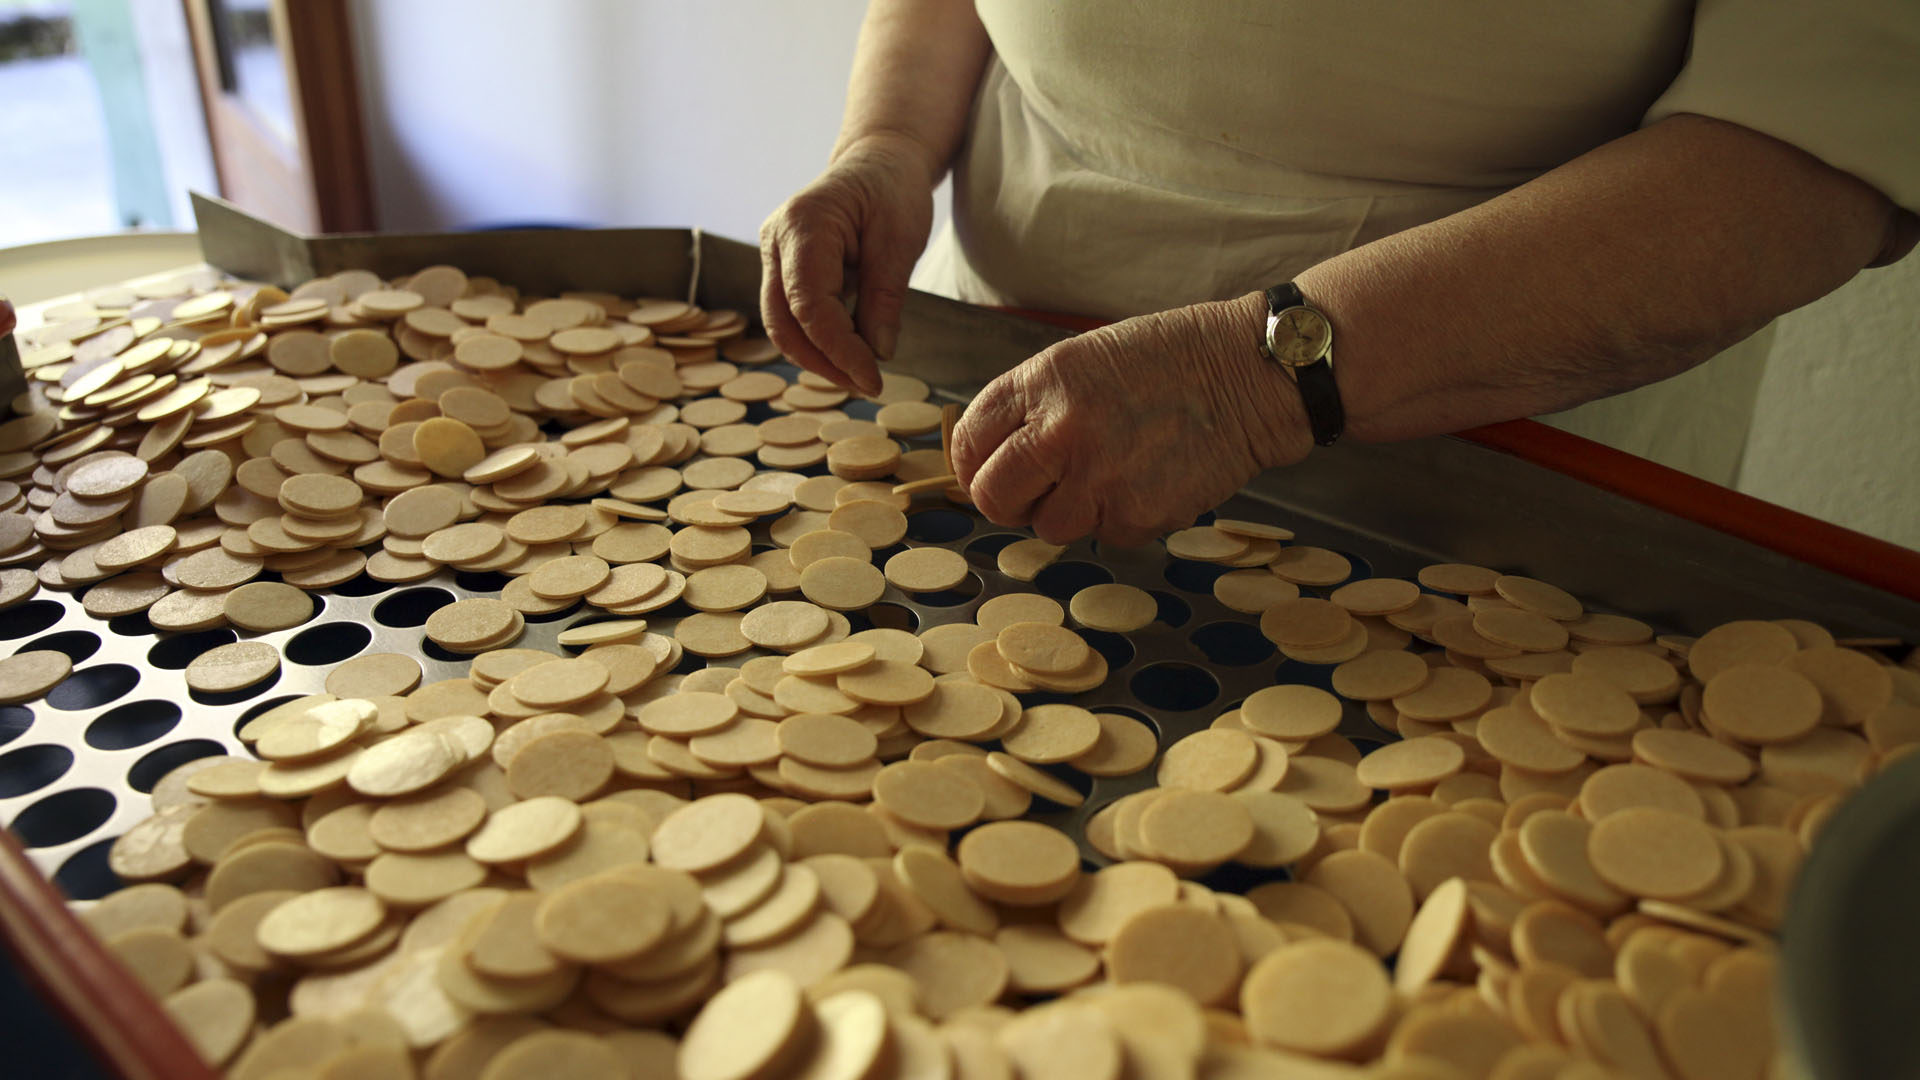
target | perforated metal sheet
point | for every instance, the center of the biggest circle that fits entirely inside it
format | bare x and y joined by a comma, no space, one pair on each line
74,767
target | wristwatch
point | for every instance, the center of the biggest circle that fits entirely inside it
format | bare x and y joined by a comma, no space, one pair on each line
1300,339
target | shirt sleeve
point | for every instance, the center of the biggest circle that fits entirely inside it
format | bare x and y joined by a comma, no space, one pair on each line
1839,79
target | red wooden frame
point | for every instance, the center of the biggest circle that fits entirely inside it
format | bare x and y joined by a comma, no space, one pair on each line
75,973
1863,558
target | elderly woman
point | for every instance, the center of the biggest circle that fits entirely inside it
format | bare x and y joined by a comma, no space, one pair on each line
1372,219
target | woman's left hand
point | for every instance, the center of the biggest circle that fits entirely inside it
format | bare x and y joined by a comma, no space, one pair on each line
1132,430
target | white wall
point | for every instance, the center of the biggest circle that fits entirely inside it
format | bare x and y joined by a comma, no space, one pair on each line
1837,429
663,112
599,112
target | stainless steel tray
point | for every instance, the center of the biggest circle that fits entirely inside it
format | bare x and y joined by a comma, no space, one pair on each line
72,766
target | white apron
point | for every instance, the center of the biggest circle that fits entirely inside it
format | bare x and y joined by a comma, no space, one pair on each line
1127,156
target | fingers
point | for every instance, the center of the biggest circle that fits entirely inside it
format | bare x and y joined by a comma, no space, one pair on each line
802,272
813,270
1066,513
991,416
1015,477
1129,520
1018,469
885,266
778,318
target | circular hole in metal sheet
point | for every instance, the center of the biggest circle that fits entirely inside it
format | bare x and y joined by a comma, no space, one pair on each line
1193,577
360,586
14,722
1294,671
1361,567
93,687
31,768
1117,650
1234,878
85,875
63,817
434,652
328,643
30,618
479,582
939,526
969,588
1174,686
1232,644
1132,712
1173,610
79,645
135,723
410,607
134,624
1063,579
157,763
176,651
235,697
984,551
891,616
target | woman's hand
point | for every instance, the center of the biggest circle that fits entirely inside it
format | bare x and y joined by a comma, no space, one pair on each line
1132,430
856,229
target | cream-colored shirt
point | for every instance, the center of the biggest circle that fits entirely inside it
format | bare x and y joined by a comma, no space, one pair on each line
1127,156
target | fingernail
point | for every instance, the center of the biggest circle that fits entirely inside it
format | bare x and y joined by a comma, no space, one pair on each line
884,340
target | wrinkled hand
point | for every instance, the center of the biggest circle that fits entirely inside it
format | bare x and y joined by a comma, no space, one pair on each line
1134,429
867,217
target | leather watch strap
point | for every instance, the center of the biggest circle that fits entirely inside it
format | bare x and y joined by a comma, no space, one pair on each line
1326,415
1283,296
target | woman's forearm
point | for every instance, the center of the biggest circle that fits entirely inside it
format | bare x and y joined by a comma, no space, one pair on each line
1631,263
914,75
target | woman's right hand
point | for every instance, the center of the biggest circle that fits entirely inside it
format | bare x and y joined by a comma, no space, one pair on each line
857,229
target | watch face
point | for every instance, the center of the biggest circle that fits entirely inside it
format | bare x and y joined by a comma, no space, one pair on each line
1300,336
